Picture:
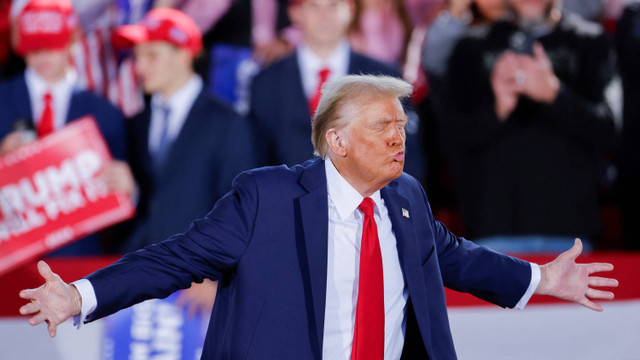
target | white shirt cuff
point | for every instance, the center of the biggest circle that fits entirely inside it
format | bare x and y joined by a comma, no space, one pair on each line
533,285
89,301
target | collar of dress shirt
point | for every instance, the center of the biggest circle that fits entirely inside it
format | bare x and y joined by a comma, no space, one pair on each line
39,86
344,196
61,93
182,98
310,64
179,104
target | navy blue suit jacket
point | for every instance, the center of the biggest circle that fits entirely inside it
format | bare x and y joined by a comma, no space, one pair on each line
214,145
266,241
15,105
280,112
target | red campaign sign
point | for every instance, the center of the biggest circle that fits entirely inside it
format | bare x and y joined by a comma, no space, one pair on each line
51,193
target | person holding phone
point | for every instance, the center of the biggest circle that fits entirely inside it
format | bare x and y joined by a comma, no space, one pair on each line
527,116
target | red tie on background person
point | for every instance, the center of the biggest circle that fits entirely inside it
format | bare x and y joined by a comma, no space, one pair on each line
368,336
323,75
45,126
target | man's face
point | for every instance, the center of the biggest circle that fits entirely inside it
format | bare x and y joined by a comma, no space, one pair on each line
323,22
492,9
50,64
375,139
157,63
531,10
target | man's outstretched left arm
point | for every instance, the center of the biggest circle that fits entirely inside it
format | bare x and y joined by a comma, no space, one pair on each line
567,280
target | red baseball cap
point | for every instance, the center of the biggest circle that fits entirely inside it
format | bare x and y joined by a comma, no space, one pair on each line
45,24
162,24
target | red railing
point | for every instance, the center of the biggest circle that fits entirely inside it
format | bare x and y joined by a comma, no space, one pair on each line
627,271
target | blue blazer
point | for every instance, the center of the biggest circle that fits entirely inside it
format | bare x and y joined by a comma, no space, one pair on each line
280,112
15,105
266,241
214,145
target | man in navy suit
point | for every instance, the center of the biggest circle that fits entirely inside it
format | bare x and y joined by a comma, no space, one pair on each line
186,147
285,94
46,97
338,255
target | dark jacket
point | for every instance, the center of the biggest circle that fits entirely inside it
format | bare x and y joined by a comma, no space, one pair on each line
537,172
214,145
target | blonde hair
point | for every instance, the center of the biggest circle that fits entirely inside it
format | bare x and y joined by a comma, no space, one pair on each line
338,92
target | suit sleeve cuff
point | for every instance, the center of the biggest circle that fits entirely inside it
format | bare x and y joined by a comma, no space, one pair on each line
533,285
89,301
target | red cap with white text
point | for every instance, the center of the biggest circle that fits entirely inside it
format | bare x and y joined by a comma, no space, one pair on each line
161,24
45,24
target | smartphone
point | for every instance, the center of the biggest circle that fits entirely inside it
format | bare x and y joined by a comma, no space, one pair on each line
521,43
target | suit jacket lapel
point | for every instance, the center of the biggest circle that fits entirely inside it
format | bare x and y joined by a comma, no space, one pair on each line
399,209
314,216
72,110
354,66
141,134
189,130
20,97
297,96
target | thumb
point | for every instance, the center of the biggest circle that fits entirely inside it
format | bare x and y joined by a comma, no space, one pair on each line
575,251
540,55
538,51
45,271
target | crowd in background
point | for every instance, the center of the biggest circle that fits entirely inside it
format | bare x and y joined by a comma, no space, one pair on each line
524,124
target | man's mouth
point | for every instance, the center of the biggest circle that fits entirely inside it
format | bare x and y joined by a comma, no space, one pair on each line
399,156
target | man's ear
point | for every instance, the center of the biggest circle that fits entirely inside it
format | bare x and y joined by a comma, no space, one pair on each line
337,141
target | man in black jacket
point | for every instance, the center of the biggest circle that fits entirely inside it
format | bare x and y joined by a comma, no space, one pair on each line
527,126
628,50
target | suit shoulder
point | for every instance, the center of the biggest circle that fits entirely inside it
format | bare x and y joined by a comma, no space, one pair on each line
279,66
219,107
277,176
12,82
95,103
408,180
217,117
408,185
275,70
362,64
12,87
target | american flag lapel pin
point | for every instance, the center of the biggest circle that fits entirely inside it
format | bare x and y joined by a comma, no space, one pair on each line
405,213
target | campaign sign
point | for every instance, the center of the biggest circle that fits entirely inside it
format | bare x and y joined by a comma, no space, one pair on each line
51,193
154,329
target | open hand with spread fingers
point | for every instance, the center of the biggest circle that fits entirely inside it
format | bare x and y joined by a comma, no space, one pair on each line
567,280
54,302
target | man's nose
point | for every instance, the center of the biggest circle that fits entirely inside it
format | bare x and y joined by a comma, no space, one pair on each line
397,136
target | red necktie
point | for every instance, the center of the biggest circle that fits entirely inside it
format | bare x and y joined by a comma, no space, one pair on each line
368,337
45,126
323,75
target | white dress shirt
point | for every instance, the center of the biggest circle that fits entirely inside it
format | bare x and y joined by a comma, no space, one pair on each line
310,65
179,104
61,93
345,233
